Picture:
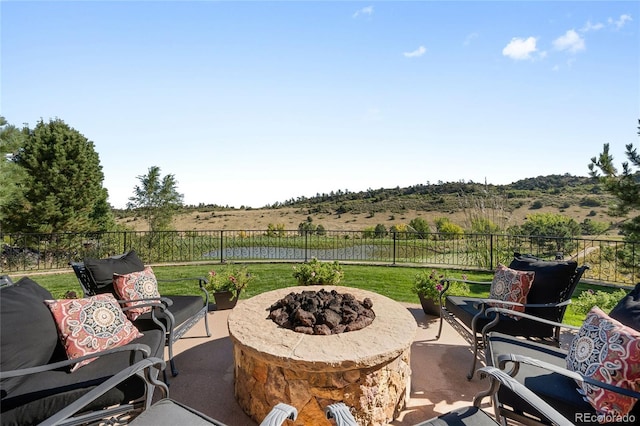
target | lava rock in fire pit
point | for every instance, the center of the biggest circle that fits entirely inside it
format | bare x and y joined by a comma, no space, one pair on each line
322,312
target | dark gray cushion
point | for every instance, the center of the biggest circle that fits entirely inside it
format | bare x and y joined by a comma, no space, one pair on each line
101,270
627,311
467,416
465,308
29,334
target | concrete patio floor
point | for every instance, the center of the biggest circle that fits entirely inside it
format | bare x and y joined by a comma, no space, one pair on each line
438,383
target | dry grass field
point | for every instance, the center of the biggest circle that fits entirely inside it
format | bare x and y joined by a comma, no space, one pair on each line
259,219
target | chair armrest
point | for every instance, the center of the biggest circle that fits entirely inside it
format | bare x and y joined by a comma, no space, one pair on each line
446,282
500,378
341,414
518,359
505,311
136,347
141,366
279,414
202,281
525,315
159,302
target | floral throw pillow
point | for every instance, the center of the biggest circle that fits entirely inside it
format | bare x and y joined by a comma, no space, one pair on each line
136,286
608,351
90,325
510,285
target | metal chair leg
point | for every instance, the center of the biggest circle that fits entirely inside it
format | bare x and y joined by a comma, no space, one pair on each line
440,327
206,324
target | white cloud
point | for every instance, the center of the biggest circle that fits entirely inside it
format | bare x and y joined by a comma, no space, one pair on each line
520,49
591,27
470,38
416,53
570,41
621,21
364,11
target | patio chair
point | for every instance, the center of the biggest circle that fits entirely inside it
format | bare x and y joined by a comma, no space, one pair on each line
550,292
543,369
177,314
473,415
165,411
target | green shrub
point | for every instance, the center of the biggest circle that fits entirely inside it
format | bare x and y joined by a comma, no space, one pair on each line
536,205
590,202
318,273
604,300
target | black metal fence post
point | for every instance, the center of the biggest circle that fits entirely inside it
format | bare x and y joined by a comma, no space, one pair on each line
393,262
306,245
491,253
221,246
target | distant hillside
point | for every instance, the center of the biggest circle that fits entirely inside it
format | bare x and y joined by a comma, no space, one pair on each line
581,198
442,196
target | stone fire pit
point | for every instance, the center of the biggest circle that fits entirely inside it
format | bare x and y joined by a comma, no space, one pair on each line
368,369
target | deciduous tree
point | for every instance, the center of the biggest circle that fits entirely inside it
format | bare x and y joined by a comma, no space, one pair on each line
156,199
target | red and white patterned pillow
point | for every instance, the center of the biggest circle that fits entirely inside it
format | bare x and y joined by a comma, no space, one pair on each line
606,350
136,286
90,325
510,285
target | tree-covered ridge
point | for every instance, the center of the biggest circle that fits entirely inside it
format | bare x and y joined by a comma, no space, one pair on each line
448,196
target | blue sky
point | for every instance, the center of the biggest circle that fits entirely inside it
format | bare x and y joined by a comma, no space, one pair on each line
251,103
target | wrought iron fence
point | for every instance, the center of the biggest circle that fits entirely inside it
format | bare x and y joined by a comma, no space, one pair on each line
610,261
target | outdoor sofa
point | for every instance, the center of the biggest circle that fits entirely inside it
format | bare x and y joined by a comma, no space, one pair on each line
36,375
603,356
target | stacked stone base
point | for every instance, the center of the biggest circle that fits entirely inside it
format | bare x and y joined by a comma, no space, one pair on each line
375,393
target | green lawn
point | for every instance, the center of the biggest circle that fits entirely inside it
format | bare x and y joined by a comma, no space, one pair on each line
394,282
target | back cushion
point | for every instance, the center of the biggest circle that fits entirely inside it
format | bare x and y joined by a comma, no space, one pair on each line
627,311
102,270
552,277
29,334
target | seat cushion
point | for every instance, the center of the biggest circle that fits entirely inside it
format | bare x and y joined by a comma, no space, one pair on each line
465,308
467,416
183,309
169,412
101,270
557,390
552,282
29,334
42,395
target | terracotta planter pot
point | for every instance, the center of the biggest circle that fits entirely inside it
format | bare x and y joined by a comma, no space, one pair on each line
429,306
225,300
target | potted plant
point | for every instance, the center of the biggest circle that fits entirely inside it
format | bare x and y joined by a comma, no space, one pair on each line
318,273
227,283
428,285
